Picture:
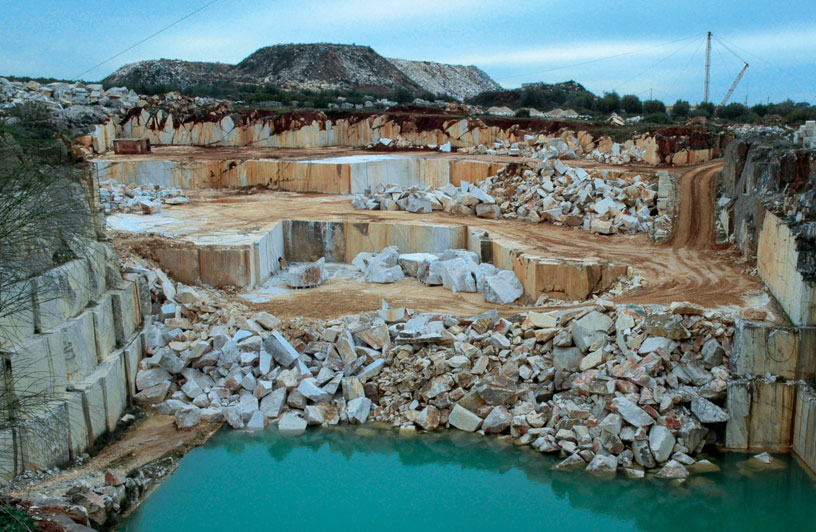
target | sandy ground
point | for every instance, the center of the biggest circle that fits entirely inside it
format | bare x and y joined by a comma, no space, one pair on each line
690,267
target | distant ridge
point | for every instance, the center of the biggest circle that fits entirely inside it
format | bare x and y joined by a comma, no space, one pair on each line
319,66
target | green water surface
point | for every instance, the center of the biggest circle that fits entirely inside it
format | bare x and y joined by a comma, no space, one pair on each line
363,479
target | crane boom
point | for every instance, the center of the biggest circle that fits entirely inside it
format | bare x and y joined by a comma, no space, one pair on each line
734,85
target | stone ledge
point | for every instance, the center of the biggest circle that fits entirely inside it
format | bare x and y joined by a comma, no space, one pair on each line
760,414
763,349
804,430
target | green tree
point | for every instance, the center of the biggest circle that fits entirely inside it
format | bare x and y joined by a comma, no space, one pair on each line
609,102
632,104
705,109
760,109
732,111
681,109
651,107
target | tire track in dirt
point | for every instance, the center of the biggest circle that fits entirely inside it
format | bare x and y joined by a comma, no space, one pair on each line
689,267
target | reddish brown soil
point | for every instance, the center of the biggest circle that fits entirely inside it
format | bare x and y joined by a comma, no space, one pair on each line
152,438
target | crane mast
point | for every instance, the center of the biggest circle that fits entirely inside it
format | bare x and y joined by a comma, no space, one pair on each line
707,66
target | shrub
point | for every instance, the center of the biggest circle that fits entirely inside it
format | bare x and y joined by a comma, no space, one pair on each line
13,519
609,102
732,111
705,109
523,113
651,107
657,118
632,104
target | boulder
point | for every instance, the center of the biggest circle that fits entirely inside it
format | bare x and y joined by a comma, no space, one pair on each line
464,419
358,410
428,418
280,349
147,378
307,275
603,463
271,404
378,273
643,454
673,470
497,421
502,288
257,421
309,389
153,395
567,358
188,416
708,412
661,443
633,414
486,210
291,423
410,262
457,275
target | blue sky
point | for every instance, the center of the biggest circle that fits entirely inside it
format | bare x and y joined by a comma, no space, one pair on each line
659,45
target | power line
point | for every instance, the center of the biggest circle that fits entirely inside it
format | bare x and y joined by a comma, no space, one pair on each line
660,61
645,48
182,19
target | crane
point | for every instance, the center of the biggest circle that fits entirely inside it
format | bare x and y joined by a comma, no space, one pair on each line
734,85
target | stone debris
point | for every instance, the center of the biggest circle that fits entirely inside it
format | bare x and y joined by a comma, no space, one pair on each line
147,199
524,377
70,103
598,201
458,270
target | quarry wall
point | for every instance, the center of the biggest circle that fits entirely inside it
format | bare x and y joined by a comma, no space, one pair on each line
69,359
341,175
76,352
318,131
251,259
764,204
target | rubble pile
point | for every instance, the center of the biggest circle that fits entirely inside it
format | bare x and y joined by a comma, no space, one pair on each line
604,202
458,270
147,199
82,105
72,103
771,132
568,145
627,387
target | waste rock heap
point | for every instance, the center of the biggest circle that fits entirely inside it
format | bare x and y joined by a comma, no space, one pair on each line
604,202
608,387
72,103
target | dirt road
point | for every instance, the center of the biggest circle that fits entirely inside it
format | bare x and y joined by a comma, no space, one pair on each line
689,267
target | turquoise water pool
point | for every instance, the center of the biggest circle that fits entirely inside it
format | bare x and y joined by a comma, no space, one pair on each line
368,479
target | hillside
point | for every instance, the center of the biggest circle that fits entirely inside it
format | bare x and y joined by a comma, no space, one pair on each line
169,72
314,67
321,67
542,96
458,81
